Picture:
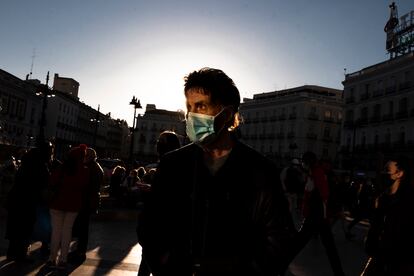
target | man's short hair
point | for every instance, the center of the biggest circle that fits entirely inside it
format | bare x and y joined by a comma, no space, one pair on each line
215,83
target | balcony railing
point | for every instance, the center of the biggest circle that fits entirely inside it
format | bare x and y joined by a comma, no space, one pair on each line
375,119
362,121
388,117
405,85
292,116
290,134
328,119
390,89
327,138
364,96
350,100
282,117
378,93
313,116
402,114
349,123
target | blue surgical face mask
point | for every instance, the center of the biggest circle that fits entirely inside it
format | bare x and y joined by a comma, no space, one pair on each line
199,126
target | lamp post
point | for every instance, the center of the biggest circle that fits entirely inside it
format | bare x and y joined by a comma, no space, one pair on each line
136,104
96,121
46,92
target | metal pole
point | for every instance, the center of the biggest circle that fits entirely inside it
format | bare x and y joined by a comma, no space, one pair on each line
96,127
131,151
45,92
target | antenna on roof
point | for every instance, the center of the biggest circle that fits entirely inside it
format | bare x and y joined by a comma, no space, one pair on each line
31,66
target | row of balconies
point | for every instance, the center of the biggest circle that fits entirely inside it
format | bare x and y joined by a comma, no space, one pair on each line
378,118
381,92
288,135
311,116
379,146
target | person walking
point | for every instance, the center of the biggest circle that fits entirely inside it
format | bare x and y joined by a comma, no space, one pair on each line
216,205
315,213
390,239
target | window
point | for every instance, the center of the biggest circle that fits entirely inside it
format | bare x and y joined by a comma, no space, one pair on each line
348,141
401,137
377,111
367,88
326,132
403,105
364,112
379,84
390,107
407,76
387,136
363,140
349,115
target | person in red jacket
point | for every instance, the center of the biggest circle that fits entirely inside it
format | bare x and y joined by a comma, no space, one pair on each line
70,183
315,212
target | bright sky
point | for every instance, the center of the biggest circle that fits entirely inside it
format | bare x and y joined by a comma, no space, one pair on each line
117,49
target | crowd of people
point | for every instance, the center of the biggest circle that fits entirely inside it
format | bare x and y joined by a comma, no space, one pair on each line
48,198
215,206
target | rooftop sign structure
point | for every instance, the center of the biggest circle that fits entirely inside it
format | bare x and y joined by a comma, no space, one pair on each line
400,32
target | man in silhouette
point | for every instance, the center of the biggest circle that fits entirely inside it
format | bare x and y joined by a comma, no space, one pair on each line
217,206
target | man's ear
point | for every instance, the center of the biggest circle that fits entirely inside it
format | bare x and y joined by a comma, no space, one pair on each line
224,118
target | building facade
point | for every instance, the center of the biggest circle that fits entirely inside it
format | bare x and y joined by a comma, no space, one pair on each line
68,121
66,85
20,111
150,125
284,124
379,113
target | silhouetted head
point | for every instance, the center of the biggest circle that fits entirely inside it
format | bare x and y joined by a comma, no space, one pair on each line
90,155
399,168
75,158
309,159
167,141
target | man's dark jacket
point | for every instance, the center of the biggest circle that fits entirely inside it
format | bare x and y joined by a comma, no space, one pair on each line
235,222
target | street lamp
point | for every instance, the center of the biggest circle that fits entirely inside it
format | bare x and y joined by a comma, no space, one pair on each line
46,92
96,121
136,104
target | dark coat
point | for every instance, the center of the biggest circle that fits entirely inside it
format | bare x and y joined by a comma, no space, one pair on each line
25,195
390,239
235,222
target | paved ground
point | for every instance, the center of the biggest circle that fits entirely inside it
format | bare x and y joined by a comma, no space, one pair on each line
114,251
